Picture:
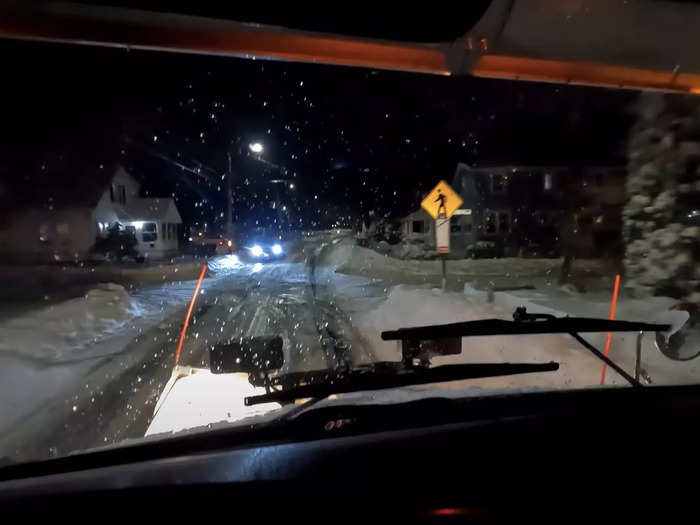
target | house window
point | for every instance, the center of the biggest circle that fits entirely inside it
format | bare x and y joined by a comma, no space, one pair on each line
498,183
503,222
547,181
497,221
44,231
455,228
150,232
173,231
490,221
418,227
467,227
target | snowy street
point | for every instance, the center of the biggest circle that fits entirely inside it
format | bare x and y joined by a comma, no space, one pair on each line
96,365
110,352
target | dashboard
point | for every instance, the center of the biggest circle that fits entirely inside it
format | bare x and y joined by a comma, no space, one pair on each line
574,456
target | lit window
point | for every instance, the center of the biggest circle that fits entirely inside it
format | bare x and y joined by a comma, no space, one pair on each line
150,232
490,221
44,233
547,181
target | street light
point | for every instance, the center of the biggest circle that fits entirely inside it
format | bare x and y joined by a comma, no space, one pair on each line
256,147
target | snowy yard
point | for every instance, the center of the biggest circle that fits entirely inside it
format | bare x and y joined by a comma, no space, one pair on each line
45,351
410,305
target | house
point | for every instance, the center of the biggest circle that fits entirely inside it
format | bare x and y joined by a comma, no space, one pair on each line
155,221
63,221
418,227
524,208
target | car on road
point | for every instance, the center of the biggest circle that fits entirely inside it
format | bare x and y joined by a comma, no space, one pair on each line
265,244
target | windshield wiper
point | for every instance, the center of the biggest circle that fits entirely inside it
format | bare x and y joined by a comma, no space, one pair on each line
524,323
549,325
384,375
381,376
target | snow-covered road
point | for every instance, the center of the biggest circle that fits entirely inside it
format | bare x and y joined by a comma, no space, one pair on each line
88,371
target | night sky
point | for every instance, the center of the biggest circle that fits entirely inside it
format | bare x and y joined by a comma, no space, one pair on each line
353,142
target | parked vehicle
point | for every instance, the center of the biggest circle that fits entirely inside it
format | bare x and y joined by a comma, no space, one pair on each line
119,244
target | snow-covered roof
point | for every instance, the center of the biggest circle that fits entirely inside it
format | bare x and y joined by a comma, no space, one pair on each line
151,209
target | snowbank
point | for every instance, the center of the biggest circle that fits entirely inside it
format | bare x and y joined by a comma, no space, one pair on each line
58,333
44,350
349,258
47,353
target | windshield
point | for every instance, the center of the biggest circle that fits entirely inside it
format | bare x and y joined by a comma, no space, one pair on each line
298,189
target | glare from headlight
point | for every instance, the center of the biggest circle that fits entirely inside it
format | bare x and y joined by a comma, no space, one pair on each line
276,249
256,251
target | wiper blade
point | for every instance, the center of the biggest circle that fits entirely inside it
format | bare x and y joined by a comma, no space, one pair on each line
524,324
388,377
550,325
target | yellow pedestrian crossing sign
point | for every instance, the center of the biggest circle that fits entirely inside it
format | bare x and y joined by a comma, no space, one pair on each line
441,200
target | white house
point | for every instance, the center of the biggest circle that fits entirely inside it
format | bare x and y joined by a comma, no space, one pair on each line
155,221
67,225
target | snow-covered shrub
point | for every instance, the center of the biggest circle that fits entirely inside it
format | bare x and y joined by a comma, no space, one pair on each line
663,152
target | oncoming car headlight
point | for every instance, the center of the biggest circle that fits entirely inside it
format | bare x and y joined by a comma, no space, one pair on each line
276,249
256,251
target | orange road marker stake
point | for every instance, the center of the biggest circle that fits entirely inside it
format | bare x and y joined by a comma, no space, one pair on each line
613,305
189,313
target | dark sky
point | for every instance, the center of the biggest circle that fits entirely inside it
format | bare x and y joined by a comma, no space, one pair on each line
353,141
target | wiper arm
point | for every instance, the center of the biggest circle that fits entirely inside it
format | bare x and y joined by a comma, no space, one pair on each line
524,324
550,325
381,376
392,375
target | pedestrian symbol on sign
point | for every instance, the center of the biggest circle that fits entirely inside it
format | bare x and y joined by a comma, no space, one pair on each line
441,199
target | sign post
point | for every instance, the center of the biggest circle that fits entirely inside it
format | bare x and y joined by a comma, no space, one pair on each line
440,204
442,243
